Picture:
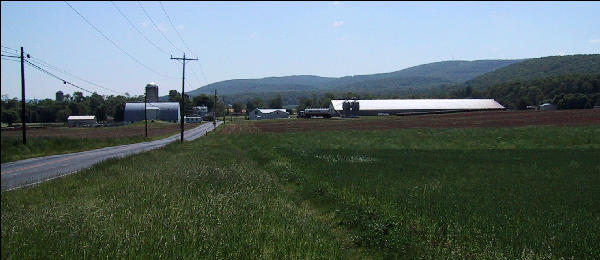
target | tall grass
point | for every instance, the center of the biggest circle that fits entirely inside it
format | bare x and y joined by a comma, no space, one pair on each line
14,150
435,193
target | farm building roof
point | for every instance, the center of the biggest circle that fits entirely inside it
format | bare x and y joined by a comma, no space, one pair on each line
81,118
267,111
168,111
422,104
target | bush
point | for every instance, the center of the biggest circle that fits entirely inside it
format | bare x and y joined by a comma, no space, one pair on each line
573,101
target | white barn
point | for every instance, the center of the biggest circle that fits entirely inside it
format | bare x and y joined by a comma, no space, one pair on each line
397,106
262,113
79,121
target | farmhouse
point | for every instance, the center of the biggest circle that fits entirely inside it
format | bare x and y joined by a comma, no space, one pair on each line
79,121
165,111
399,106
261,113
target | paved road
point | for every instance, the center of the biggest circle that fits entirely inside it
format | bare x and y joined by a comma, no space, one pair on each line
35,170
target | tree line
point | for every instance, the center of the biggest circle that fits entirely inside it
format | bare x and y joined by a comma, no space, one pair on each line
574,91
64,105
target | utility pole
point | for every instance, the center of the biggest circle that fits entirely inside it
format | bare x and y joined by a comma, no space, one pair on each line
23,112
182,106
215,111
146,111
23,117
225,110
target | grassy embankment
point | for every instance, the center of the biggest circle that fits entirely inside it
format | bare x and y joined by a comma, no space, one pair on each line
80,139
527,192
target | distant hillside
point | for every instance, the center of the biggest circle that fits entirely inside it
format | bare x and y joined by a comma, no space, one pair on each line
422,76
539,68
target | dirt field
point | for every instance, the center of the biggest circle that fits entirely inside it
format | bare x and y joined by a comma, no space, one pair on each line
154,129
466,119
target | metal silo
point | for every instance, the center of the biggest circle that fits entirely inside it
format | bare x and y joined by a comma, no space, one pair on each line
152,92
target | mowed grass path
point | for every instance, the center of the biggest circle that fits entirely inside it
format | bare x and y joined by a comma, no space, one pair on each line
529,192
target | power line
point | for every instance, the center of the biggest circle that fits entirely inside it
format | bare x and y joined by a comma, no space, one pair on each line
15,50
117,46
156,26
175,29
136,29
10,56
7,59
9,52
72,75
57,77
184,43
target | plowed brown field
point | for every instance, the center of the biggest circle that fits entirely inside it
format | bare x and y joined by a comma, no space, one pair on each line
464,119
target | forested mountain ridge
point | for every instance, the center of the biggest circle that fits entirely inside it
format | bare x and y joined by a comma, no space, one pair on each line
426,75
539,68
566,81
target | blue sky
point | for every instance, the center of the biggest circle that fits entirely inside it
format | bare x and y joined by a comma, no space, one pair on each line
236,40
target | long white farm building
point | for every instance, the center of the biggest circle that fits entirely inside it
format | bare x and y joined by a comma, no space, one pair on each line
262,113
397,106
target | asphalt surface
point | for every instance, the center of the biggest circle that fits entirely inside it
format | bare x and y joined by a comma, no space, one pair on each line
36,170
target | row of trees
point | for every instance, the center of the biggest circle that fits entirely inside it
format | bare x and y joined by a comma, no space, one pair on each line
65,105
113,107
566,91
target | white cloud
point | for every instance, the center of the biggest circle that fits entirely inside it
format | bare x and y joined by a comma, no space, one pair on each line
338,23
595,41
336,3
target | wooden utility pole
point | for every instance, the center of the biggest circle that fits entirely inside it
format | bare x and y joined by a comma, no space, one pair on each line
215,111
146,111
182,106
225,109
23,111
23,116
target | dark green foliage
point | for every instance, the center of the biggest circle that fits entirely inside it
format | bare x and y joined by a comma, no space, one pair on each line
237,107
188,105
572,91
204,100
573,101
9,116
253,104
48,110
276,102
539,68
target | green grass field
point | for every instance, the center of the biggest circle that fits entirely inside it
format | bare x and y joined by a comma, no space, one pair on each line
528,192
14,150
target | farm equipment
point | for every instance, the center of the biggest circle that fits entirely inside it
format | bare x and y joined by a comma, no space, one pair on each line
316,112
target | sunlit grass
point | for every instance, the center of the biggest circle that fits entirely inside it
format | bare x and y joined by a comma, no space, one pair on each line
14,150
435,193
